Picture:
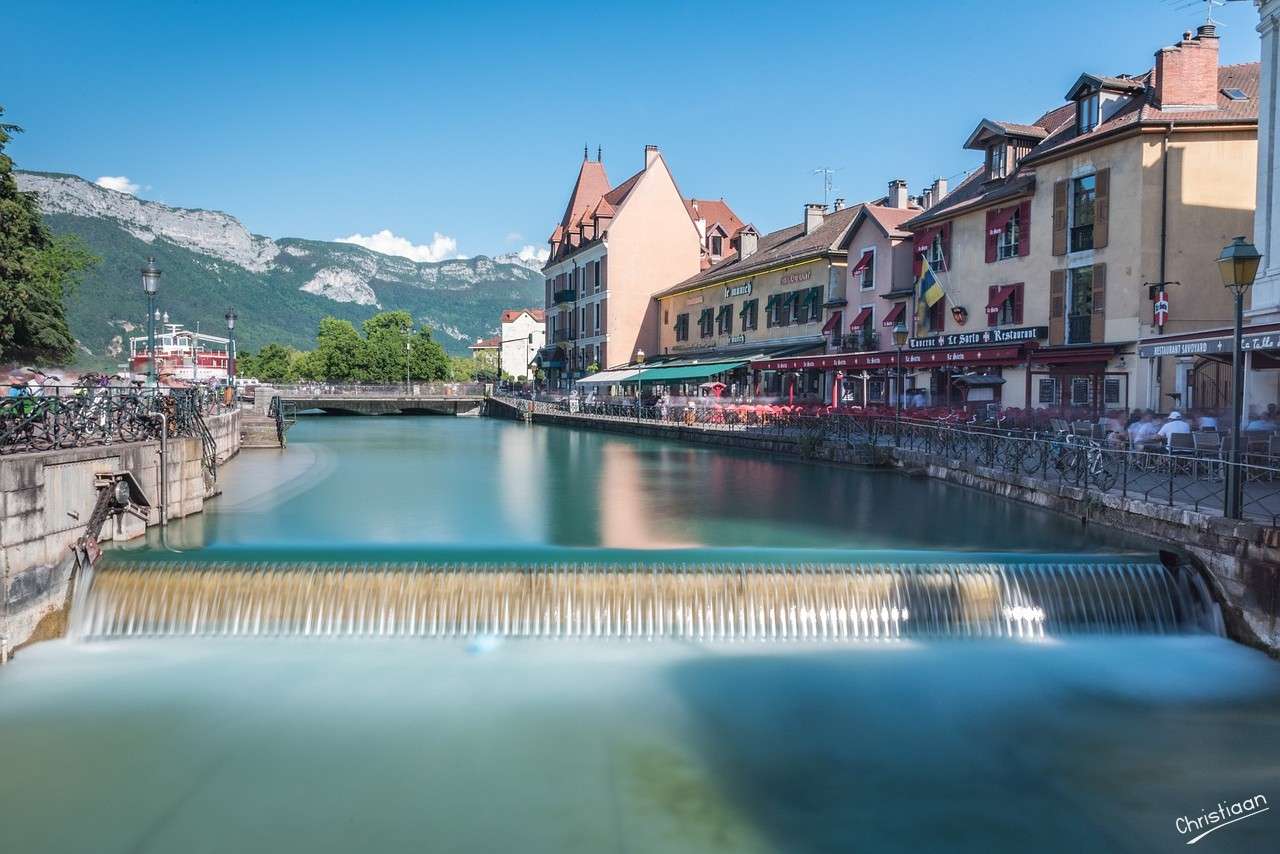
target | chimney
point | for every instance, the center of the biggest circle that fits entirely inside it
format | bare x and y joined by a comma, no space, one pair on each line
839,205
939,190
747,243
1187,73
813,214
926,198
650,155
898,197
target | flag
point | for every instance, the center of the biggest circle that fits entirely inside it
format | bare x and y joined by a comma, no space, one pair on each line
928,289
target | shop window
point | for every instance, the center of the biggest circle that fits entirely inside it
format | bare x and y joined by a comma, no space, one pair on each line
1081,391
1083,204
1047,391
1111,392
750,315
682,327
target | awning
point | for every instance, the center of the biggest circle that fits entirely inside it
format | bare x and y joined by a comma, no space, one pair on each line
860,318
862,262
979,379
1075,354
617,375
1000,219
832,324
680,373
911,359
895,314
997,299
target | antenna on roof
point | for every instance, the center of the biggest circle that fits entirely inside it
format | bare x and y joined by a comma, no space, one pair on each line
827,173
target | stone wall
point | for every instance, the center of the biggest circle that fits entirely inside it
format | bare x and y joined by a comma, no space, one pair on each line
46,500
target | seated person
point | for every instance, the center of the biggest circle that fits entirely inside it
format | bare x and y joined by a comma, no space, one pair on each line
1175,424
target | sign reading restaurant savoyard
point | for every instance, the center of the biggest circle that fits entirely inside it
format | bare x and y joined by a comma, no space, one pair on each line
1210,346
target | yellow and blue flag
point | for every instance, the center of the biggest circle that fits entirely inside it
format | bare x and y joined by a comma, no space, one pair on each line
928,288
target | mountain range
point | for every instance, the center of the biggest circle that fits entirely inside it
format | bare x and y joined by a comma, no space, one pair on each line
280,288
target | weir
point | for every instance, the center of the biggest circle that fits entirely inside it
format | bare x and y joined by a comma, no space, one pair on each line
816,601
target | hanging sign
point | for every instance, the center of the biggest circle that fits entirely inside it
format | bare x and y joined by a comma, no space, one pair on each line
1161,308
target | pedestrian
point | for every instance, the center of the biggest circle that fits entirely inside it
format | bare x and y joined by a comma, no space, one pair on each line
1175,424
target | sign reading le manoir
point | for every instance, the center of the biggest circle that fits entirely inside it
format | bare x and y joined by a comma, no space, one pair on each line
986,336
739,290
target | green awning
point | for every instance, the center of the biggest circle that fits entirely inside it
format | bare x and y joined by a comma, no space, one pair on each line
679,373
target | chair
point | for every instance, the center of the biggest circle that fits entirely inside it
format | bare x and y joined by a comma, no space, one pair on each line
1208,448
1181,448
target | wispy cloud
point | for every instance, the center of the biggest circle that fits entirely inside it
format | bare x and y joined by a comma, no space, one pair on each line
119,183
440,247
513,237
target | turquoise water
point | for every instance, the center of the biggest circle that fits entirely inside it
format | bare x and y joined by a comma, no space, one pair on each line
274,745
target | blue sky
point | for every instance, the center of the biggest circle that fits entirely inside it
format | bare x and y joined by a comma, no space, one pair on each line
459,126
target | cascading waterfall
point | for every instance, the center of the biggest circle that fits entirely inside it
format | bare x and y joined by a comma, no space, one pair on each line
695,602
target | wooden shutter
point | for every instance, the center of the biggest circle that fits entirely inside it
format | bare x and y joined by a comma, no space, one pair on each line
1102,208
946,246
1060,217
992,239
1017,303
993,319
603,273
1057,304
1024,228
1098,322
604,316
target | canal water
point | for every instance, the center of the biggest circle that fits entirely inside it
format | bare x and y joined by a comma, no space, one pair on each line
1097,743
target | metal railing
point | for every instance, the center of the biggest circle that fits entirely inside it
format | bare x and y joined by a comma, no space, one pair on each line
311,391
1172,476
79,416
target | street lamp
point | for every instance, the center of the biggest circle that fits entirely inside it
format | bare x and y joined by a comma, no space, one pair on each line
899,338
231,348
150,284
408,349
1238,264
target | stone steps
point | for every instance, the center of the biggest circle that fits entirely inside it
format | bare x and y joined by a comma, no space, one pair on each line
258,431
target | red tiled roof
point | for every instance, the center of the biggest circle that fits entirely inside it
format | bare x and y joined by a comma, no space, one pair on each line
592,183
615,196
715,213
890,219
486,344
512,313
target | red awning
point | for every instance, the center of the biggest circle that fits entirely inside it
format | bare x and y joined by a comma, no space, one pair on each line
894,314
863,262
997,299
832,324
1069,355
860,318
1000,219
1014,355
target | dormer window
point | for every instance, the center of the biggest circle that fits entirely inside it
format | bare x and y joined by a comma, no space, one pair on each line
996,154
717,245
1087,112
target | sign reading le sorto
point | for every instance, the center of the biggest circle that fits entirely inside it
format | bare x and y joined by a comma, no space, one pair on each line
975,339
1210,346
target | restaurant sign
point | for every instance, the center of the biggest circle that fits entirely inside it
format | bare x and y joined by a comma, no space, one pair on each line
889,359
739,290
1210,346
797,277
982,338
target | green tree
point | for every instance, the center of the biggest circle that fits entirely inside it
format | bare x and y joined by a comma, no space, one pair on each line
385,336
274,364
430,361
341,355
37,271
462,368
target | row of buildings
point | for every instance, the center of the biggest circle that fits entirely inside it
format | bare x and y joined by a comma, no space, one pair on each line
1075,266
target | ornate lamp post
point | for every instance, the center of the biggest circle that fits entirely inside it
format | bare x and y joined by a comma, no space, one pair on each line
231,351
1237,264
150,284
900,339
408,350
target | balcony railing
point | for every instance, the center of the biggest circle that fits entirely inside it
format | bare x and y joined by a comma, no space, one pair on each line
560,297
862,341
1079,328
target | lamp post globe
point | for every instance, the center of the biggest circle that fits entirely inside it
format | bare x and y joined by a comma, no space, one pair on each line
1238,265
151,284
231,345
900,339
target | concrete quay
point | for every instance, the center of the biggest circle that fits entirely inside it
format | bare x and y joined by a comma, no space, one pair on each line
47,498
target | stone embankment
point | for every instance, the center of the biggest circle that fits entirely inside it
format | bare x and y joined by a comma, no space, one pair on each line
1240,560
47,498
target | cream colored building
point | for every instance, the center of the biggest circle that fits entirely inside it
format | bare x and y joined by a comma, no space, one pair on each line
1052,253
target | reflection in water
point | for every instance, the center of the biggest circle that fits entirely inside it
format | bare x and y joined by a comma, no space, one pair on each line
434,481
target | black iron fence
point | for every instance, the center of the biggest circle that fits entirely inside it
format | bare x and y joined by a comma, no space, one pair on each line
425,389
78,416
1193,474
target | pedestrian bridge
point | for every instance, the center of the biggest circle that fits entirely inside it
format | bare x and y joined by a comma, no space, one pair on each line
423,398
